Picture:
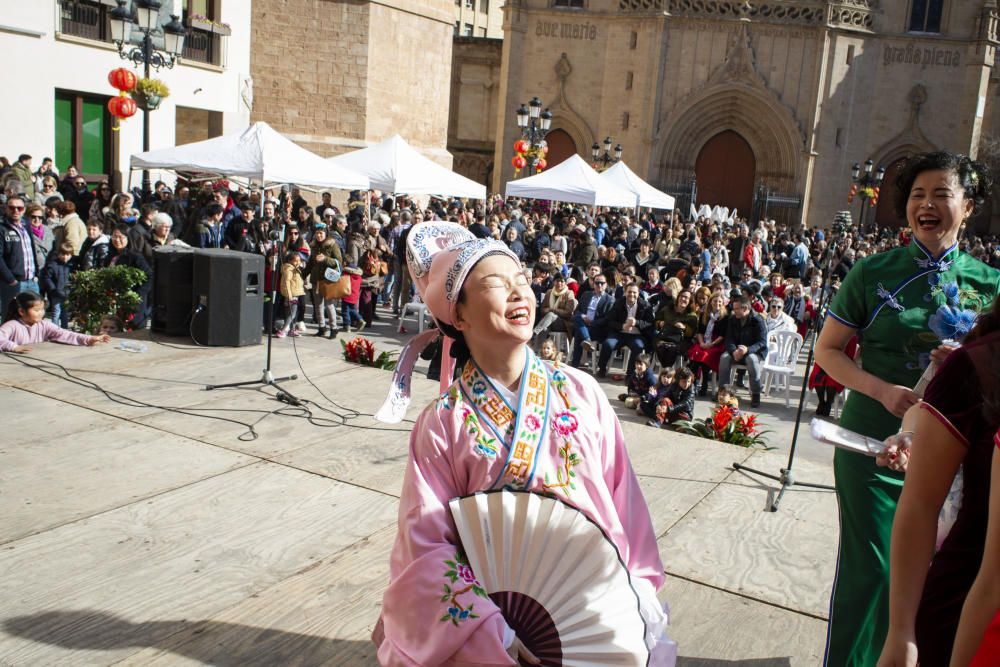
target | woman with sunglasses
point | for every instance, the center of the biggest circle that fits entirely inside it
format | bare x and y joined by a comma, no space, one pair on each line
102,201
48,190
41,234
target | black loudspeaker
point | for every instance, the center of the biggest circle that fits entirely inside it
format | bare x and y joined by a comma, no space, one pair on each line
172,300
228,292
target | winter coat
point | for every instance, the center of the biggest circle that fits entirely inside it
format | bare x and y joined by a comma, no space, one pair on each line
70,230
54,278
94,253
292,285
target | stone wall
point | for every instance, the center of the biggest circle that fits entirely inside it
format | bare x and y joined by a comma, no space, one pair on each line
336,75
475,95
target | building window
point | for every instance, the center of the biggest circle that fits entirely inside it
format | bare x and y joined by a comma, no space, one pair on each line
482,32
925,16
469,4
458,27
484,6
628,81
576,4
625,120
633,40
467,30
85,18
83,134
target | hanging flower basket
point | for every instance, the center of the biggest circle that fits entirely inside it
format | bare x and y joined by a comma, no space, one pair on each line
149,93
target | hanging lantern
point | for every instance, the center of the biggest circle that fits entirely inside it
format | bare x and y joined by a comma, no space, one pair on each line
874,198
541,164
853,194
521,146
518,161
122,79
122,107
545,148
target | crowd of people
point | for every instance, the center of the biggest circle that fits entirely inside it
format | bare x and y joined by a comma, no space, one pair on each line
691,300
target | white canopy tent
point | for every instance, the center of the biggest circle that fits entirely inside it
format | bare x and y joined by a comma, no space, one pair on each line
258,153
646,194
573,181
395,166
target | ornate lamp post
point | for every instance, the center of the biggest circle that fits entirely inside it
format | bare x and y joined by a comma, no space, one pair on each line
530,150
867,186
604,160
147,13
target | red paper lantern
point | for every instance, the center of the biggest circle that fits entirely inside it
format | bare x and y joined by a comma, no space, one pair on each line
541,164
521,146
122,106
518,161
122,79
545,150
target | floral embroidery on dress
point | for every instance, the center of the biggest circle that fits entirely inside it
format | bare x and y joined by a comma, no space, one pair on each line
460,573
485,445
950,323
450,398
564,424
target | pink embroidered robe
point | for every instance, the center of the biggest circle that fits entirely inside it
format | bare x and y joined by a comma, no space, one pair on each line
453,453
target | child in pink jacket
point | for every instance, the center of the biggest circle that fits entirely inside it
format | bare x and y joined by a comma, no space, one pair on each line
25,323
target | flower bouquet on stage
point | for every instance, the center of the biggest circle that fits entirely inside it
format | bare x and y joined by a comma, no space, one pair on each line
558,580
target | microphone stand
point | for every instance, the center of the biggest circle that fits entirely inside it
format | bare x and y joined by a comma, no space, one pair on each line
267,378
786,475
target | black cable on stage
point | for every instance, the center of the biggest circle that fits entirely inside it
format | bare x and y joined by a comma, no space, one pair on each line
248,436
352,413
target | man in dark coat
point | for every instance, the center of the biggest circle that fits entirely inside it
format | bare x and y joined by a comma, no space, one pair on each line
590,319
746,343
629,320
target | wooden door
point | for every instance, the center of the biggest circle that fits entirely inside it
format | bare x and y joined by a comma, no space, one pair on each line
561,146
726,170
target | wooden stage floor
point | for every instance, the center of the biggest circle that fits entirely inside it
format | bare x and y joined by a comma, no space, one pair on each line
135,535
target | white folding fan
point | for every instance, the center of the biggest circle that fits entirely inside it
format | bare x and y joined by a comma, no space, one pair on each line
558,580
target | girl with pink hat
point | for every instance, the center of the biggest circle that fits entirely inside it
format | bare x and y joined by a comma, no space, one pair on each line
510,420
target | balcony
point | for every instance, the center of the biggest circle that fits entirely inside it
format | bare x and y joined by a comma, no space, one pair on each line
85,18
88,19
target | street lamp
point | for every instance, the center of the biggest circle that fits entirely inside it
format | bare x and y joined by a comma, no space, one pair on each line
865,185
605,160
530,150
147,14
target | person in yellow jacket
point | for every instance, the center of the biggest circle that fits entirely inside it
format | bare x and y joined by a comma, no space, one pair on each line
292,289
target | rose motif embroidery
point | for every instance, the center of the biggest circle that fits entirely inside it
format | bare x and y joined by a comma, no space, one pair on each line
565,423
464,573
532,423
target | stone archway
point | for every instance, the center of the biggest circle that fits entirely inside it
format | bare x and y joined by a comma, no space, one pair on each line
726,169
561,146
768,128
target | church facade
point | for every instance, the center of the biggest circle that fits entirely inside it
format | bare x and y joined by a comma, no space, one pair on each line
742,104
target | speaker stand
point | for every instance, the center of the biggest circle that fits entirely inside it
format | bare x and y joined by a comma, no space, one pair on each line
267,378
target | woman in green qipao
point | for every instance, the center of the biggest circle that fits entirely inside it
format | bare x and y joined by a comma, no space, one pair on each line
903,305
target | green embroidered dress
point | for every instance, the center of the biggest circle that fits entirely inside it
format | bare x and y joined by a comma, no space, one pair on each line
903,303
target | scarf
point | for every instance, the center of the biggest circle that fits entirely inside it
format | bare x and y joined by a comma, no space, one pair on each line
554,296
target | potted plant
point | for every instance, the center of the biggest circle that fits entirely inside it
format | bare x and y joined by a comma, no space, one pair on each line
200,22
97,294
362,351
151,92
726,425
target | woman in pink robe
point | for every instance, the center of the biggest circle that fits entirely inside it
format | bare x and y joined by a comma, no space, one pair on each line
510,420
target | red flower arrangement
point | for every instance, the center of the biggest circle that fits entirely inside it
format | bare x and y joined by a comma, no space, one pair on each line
726,425
360,350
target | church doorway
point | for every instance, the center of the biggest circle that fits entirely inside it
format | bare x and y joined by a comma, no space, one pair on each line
726,170
885,210
561,146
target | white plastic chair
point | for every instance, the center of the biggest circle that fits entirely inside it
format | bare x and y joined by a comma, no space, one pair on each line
782,356
416,311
